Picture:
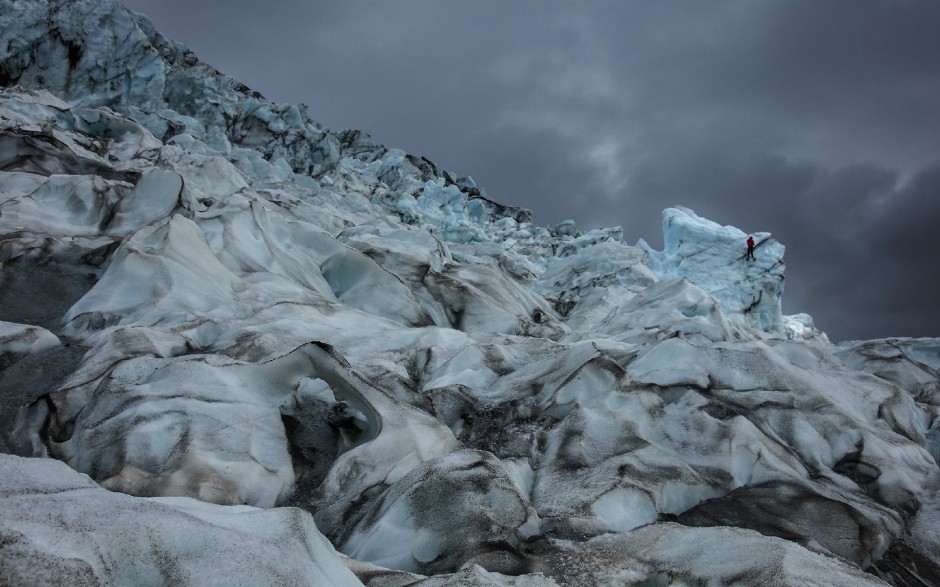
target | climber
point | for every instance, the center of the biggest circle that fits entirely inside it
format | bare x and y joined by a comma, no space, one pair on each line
750,248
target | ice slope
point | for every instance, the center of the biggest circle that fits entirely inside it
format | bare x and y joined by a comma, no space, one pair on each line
208,295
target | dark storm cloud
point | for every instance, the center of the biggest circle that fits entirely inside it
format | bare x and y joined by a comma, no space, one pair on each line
816,121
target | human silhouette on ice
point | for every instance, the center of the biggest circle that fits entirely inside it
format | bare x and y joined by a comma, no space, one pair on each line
750,248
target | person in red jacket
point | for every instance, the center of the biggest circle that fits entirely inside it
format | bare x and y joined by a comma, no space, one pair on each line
750,248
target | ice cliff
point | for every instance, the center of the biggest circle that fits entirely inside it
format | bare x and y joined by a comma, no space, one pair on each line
269,340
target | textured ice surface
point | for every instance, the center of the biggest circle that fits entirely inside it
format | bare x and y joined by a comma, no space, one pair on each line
20,340
59,528
208,295
412,526
913,365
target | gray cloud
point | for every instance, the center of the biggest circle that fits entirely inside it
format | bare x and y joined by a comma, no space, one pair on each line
813,120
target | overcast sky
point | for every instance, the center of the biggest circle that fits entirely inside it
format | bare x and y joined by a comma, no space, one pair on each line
815,120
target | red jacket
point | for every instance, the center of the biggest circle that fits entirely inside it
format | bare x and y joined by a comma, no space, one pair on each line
750,242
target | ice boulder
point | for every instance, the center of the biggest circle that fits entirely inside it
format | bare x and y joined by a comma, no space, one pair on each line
802,327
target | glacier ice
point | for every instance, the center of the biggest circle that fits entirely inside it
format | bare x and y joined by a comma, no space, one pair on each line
712,256
209,295
58,527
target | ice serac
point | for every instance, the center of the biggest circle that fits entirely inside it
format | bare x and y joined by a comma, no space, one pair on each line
713,257
207,295
100,54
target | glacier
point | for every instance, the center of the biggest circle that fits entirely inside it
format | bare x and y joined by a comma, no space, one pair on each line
238,347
